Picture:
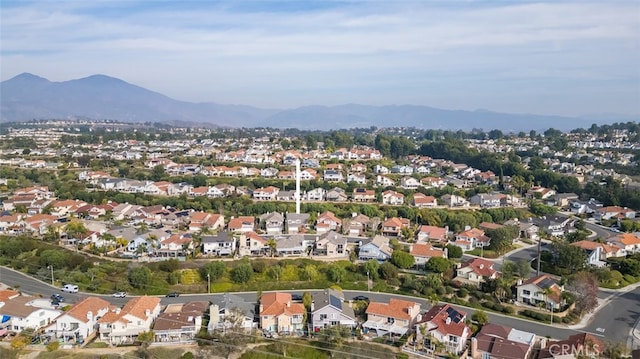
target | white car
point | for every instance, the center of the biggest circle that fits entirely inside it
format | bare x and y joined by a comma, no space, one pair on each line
119,294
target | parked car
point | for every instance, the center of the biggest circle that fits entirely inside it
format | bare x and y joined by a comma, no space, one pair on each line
173,295
119,294
70,288
360,297
296,297
57,298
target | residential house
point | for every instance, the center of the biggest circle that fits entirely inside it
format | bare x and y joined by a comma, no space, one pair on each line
363,195
502,342
613,212
80,322
266,193
297,222
432,234
555,226
293,245
251,244
452,200
564,200
421,200
328,221
336,195
140,245
422,252
586,345
358,168
242,224
471,238
122,326
23,312
392,227
231,312
199,220
432,182
358,178
273,222
221,244
541,290
328,309
598,253
378,248
286,196
445,324
380,169
333,176
628,241
486,200
330,245
177,245
540,192
476,271
279,314
394,318
180,322
316,194
409,183
384,181
527,229
392,198
359,224
587,207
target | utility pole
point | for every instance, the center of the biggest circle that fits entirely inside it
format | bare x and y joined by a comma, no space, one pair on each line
368,283
539,248
51,267
208,283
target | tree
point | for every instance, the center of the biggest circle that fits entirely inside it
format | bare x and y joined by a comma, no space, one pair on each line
569,256
272,244
480,317
388,271
140,277
371,267
307,300
438,265
402,259
523,267
242,273
146,338
585,287
309,272
274,272
454,251
214,269
75,229
336,273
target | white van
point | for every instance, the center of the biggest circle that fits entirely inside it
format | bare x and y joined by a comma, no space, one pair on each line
71,288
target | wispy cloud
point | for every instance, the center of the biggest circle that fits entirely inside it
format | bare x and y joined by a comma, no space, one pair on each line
238,51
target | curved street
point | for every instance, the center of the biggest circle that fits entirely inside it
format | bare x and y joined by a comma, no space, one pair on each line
617,316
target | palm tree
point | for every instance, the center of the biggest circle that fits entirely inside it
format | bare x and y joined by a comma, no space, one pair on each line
547,292
272,244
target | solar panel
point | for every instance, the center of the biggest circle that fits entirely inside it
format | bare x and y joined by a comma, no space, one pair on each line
547,283
454,315
335,301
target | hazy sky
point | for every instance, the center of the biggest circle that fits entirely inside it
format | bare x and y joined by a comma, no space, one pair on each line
566,58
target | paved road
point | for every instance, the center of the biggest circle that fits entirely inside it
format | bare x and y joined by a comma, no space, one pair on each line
618,317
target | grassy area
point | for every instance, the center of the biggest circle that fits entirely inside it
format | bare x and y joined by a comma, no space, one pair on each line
320,350
489,253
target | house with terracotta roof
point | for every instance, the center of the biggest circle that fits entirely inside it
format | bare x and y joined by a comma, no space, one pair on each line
445,324
476,271
12,223
198,220
394,318
613,212
122,326
598,253
583,345
363,195
423,201
502,342
432,234
628,241
251,244
180,322
392,227
81,321
392,198
328,221
422,252
279,314
471,238
541,290
177,245
242,224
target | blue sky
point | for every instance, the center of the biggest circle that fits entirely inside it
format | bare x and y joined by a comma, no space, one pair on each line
565,58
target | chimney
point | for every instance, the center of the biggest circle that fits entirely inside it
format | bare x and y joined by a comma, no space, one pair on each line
481,266
474,348
89,315
288,303
448,320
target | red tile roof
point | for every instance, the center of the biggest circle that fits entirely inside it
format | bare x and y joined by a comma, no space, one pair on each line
438,316
277,303
480,266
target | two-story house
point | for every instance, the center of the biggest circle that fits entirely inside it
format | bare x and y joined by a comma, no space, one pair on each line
180,322
392,198
421,200
409,183
221,244
422,252
297,222
266,194
242,224
452,200
329,309
328,221
330,245
476,271
432,234
378,248
22,312
392,227
627,241
500,341
231,312
251,244
359,224
273,222
81,321
279,314
363,195
122,326
471,238
393,318
542,289
336,194
445,324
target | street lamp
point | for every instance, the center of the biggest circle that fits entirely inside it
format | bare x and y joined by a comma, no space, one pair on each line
51,267
368,283
208,283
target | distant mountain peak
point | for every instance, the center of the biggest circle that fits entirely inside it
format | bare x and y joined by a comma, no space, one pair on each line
26,76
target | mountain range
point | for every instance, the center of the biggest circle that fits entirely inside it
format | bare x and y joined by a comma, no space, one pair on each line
100,97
